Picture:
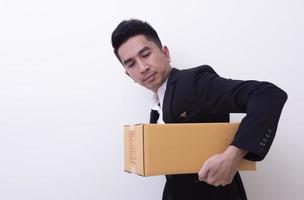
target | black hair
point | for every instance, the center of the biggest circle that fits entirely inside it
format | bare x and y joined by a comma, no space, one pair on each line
130,28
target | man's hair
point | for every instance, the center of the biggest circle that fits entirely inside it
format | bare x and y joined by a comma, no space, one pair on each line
130,28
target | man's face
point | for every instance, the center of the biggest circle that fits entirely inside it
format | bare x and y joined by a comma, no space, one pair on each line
145,62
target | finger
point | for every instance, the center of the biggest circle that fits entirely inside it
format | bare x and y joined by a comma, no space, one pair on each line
226,182
203,174
212,181
216,184
223,184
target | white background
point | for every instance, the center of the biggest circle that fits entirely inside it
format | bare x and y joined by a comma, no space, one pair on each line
64,97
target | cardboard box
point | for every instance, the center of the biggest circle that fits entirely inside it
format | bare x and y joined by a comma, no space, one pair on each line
159,149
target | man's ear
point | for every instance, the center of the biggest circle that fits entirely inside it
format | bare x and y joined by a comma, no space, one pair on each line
165,50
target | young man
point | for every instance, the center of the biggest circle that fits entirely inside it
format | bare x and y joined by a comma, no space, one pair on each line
199,95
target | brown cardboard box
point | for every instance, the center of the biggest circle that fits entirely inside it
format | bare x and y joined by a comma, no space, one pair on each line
158,149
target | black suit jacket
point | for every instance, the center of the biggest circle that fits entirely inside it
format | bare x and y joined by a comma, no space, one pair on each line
200,95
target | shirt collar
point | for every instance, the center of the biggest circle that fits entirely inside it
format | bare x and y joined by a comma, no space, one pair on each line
158,97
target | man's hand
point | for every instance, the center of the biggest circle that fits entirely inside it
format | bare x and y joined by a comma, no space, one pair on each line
221,168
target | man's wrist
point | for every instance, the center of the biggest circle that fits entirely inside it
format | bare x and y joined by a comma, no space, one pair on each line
235,153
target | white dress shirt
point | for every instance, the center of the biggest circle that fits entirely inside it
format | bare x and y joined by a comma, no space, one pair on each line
157,101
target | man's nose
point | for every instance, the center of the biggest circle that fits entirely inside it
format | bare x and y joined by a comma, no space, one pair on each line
142,66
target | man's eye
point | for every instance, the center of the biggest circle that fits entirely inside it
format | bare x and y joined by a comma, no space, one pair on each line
146,54
130,65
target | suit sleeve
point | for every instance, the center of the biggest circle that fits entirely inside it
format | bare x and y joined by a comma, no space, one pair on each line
261,101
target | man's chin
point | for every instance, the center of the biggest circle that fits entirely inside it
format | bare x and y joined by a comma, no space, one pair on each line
151,88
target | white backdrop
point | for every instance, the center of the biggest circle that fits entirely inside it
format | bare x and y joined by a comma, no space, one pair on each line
64,97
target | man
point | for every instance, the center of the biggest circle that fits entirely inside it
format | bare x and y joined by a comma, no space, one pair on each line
200,95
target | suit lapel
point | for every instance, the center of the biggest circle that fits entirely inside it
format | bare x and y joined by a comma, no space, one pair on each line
167,108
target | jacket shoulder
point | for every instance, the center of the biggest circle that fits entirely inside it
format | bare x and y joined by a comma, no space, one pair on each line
198,70
195,73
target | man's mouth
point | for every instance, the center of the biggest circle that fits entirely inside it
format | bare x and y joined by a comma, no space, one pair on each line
149,77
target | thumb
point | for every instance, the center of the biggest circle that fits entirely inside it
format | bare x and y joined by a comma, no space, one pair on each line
203,173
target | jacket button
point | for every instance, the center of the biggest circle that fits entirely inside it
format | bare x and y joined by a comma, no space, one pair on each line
265,140
269,130
262,144
268,135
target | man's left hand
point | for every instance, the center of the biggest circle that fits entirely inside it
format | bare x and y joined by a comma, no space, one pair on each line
221,168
